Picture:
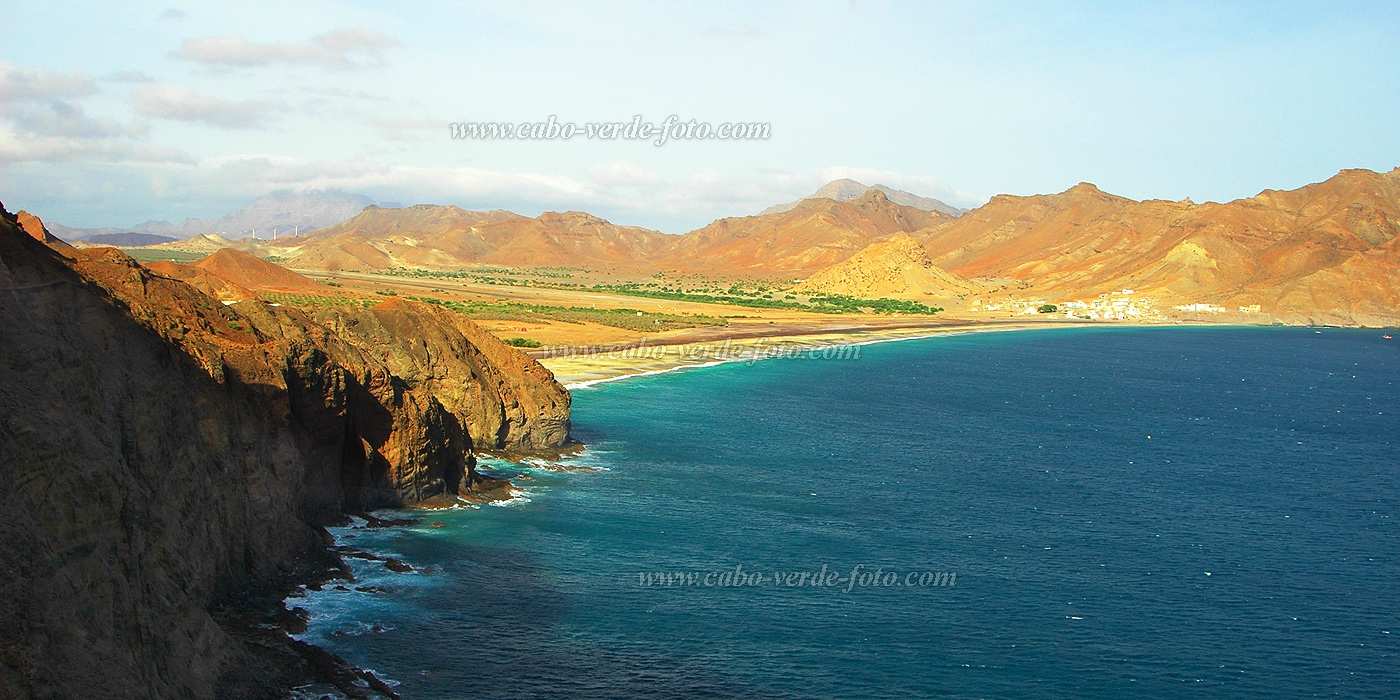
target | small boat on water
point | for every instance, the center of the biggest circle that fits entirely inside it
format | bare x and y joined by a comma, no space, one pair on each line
1386,337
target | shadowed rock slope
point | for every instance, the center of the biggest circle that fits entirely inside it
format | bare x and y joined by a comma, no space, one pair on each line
166,455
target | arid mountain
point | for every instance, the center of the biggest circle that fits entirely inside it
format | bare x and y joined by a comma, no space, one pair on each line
1325,252
255,273
168,458
897,267
434,236
815,234
232,275
842,190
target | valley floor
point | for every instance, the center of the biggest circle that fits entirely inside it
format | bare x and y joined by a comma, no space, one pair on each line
584,352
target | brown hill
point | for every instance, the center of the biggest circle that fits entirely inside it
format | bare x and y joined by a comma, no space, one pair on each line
896,268
813,235
203,280
252,272
233,275
433,237
1323,251
570,239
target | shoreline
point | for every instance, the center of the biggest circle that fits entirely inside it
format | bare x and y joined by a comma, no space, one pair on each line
583,370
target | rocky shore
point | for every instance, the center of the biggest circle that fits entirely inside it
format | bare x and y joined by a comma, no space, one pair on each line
169,462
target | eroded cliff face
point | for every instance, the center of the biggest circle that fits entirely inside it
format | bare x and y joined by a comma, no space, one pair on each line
388,443
165,453
508,402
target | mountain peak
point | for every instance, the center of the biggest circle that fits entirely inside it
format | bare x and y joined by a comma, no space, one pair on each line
846,189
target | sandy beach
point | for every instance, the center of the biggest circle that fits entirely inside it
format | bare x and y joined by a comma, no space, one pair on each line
581,367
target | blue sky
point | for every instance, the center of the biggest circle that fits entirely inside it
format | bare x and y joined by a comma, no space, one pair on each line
113,116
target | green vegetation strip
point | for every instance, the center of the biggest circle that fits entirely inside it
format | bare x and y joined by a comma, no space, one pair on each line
829,304
304,301
630,319
146,255
737,295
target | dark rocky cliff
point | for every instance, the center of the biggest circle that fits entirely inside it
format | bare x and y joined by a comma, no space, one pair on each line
163,456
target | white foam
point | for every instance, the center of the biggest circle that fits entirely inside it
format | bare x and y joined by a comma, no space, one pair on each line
517,497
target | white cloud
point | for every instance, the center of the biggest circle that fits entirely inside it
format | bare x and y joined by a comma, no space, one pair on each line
277,172
128,76
180,103
353,47
66,119
620,191
44,125
410,129
17,84
22,148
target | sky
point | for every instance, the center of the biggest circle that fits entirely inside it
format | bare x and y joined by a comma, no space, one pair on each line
111,116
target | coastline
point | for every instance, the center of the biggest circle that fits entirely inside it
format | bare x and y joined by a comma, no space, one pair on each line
584,368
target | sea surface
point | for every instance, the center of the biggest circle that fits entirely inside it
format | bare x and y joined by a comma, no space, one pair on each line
1114,513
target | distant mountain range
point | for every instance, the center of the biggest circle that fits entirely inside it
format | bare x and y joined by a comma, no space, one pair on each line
1323,253
816,233
844,189
282,212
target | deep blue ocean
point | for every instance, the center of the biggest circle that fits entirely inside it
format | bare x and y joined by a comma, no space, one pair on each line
1128,513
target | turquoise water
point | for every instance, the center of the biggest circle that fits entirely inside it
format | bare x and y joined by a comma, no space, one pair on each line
1129,513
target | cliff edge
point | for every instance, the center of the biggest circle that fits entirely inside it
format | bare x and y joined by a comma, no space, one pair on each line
167,456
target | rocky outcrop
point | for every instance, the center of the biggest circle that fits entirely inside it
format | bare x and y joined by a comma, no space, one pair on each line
36,229
166,455
897,267
507,401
